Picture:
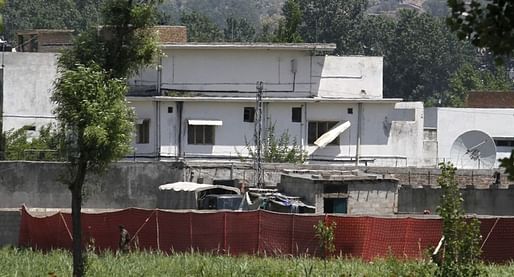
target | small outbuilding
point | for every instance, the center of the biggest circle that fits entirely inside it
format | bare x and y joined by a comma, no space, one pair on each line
187,195
343,192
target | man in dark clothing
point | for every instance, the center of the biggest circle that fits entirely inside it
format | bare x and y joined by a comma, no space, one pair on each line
124,243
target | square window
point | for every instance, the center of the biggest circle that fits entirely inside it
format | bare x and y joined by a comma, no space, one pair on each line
350,110
317,128
143,131
200,134
170,109
296,114
249,114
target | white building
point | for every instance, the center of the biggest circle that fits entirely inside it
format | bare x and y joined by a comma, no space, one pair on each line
199,102
27,82
444,125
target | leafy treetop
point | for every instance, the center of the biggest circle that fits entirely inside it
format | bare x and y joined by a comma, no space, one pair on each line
485,23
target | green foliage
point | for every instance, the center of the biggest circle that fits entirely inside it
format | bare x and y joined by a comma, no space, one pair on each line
278,150
420,57
469,78
93,113
123,45
462,238
484,23
45,146
333,21
238,30
55,14
288,27
26,262
200,28
324,232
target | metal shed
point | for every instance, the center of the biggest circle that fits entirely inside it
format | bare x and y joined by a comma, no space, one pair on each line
185,195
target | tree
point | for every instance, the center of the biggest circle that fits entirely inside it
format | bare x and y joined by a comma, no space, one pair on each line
19,146
57,14
485,23
200,28
468,78
461,235
92,112
420,58
238,30
332,21
288,26
90,96
124,44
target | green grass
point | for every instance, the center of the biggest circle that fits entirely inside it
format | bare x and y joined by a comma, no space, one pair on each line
19,262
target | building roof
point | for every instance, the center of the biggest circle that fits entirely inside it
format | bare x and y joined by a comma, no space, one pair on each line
40,31
265,99
323,47
490,99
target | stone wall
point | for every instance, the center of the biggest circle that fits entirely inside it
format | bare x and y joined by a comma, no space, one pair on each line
476,201
36,184
376,198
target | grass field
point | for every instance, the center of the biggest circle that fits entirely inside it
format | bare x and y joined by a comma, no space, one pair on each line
16,262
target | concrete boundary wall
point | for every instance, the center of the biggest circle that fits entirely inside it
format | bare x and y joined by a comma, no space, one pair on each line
9,226
37,184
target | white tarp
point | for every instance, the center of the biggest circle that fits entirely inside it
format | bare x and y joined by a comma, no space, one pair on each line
332,134
205,122
185,195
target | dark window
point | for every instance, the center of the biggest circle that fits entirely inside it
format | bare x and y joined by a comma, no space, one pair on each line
143,132
33,43
335,205
170,109
504,142
249,114
350,110
29,127
318,128
200,134
296,114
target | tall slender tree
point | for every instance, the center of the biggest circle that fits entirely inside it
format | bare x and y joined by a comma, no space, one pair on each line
89,94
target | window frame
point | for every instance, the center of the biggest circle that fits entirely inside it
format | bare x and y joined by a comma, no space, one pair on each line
199,134
249,114
296,119
143,132
320,130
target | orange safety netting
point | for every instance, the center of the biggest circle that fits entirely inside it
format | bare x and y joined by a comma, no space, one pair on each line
258,232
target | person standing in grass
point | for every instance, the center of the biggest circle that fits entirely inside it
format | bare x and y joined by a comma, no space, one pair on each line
124,243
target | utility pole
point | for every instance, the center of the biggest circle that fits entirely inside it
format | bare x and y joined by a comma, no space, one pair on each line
259,173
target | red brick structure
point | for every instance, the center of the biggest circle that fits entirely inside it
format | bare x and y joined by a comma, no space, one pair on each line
490,99
53,40
43,40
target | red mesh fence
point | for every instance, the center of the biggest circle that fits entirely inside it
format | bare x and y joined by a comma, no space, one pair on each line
259,232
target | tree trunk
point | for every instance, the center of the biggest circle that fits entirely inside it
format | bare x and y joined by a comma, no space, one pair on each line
76,206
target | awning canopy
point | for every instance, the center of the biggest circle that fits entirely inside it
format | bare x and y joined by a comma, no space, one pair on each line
332,134
205,122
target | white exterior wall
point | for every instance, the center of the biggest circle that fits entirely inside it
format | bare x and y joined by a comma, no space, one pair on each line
28,82
146,110
391,134
452,122
351,77
236,71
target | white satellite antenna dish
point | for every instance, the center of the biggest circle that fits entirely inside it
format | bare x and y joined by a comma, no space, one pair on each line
473,150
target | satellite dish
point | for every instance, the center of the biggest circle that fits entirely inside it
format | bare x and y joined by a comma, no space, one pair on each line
473,150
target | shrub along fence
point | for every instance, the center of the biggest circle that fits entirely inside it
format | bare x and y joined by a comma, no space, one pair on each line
258,232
